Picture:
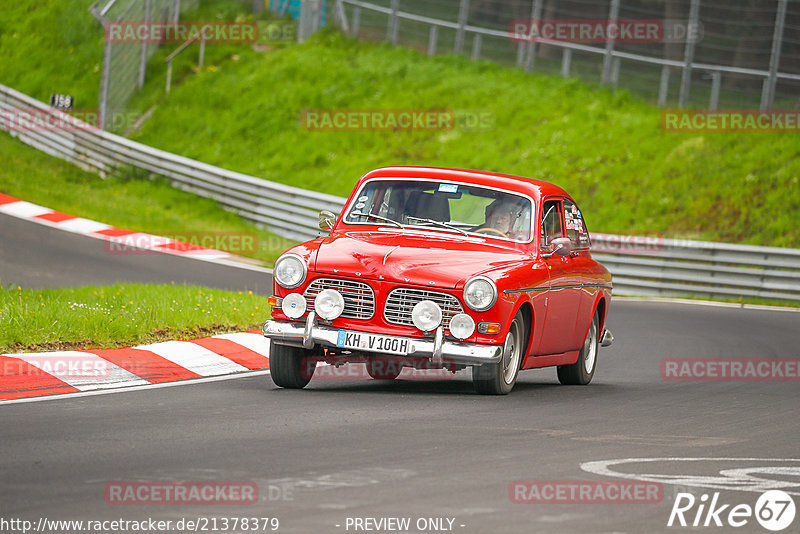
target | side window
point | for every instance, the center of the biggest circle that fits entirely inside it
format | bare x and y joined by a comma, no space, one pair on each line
576,226
551,222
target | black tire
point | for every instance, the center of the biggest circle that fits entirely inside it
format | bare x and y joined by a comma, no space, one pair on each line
581,372
290,367
499,378
383,368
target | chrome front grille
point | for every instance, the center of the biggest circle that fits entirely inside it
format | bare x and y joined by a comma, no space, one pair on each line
403,299
359,299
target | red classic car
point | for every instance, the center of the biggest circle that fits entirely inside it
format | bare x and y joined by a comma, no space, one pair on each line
447,269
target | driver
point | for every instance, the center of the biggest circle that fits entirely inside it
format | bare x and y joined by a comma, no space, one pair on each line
501,216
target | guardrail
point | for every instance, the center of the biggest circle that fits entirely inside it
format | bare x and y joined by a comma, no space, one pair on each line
288,211
641,266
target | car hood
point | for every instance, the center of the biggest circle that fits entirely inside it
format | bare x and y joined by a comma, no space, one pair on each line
428,258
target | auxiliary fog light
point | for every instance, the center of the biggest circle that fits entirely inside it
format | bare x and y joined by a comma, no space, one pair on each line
329,304
426,315
462,326
294,305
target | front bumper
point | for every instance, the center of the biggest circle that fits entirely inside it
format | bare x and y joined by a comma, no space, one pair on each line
437,349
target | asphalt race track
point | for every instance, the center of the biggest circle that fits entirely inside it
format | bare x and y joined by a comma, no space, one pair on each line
37,256
411,449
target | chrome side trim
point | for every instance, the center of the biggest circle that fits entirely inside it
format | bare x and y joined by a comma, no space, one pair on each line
548,288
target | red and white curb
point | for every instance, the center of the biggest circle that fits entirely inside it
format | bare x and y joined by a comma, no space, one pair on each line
124,239
40,374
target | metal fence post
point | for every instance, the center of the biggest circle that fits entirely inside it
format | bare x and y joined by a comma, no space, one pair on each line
258,6
566,60
663,87
433,39
463,13
716,83
476,46
104,82
341,15
536,14
393,25
143,55
356,20
176,17
613,15
688,57
768,92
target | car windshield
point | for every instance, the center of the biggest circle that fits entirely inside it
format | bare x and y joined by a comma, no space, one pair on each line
443,206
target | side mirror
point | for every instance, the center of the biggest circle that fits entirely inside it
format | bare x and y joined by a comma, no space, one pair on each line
562,246
326,219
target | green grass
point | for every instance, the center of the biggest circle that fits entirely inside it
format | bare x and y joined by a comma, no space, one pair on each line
129,201
606,148
52,46
121,315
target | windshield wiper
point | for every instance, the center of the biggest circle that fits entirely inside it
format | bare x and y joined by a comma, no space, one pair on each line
438,223
370,215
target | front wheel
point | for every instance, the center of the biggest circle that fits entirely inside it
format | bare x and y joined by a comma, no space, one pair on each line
290,367
499,378
581,372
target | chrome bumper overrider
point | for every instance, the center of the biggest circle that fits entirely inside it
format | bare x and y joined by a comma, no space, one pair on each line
436,349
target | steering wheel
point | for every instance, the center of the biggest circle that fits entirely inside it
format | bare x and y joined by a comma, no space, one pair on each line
490,231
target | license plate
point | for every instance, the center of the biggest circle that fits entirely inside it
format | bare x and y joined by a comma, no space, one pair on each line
374,342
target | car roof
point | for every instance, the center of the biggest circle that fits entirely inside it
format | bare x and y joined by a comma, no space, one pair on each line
534,188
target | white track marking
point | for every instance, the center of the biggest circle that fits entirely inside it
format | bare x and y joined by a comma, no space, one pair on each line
24,209
191,381
255,342
82,226
728,479
82,370
195,358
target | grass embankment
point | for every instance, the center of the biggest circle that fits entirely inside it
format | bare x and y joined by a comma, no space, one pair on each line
606,148
121,315
52,46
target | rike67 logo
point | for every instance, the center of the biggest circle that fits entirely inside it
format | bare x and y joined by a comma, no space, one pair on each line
774,510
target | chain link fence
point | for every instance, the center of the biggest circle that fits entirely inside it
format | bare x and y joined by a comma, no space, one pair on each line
125,63
746,54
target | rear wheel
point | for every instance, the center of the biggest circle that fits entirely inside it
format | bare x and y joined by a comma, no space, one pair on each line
581,372
290,367
383,368
499,378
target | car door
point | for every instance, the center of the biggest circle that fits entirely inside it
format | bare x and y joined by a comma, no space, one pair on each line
582,267
563,292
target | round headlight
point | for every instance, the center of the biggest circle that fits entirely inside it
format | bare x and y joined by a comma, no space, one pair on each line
329,304
426,315
462,326
294,305
290,271
480,293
